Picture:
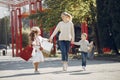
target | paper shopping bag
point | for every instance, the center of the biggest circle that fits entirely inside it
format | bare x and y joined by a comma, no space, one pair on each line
47,46
26,53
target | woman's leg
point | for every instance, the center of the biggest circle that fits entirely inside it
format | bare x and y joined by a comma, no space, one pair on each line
63,51
64,47
67,47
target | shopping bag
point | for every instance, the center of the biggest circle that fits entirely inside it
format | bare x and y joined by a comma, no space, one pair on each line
26,53
47,46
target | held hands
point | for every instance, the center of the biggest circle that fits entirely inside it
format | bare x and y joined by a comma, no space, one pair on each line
72,42
50,40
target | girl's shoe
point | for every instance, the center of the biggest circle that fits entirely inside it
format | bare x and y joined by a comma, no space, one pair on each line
36,72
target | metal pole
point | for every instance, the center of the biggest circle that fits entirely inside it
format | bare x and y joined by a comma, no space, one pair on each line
20,28
16,31
30,10
40,5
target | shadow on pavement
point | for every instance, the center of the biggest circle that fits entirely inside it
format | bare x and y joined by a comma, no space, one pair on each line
20,64
18,75
78,72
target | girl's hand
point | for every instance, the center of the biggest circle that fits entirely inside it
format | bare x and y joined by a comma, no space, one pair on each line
50,40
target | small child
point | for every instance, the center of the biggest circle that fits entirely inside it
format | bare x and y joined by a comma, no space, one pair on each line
36,40
84,46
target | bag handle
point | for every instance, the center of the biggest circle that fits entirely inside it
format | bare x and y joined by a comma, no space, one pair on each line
41,48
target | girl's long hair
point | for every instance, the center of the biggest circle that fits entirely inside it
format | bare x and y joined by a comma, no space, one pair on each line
32,35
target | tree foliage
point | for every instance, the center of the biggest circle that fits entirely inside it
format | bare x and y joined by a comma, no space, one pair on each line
25,37
79,9
4,30
109,23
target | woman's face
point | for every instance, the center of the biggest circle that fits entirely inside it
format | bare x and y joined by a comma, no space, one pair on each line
64,18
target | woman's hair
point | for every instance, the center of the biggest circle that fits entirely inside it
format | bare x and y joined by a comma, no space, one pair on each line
67,14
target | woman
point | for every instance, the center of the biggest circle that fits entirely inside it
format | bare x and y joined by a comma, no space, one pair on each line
65,37
36,40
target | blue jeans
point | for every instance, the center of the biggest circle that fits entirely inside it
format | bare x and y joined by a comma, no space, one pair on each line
64,47
84,58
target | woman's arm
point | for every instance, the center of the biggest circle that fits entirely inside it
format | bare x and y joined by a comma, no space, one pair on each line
72,33
55,31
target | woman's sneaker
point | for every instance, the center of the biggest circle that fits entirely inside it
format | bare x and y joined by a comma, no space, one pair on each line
84,68
65,65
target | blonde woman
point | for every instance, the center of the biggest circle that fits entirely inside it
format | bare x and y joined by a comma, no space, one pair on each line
36,40
66,35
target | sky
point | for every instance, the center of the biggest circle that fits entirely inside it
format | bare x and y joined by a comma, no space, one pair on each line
3,12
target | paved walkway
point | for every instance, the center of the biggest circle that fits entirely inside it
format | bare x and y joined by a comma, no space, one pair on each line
18,69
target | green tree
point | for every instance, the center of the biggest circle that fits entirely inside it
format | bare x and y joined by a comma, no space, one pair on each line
108,23
79,9
4,30
25,37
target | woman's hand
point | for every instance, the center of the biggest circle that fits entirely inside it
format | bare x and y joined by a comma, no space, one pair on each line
72,42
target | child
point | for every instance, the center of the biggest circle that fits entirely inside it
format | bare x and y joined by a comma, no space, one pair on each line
36,40
84,45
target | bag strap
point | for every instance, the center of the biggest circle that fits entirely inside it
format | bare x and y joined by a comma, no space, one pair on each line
37,39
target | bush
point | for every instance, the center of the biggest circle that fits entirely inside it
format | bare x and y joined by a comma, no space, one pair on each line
25,37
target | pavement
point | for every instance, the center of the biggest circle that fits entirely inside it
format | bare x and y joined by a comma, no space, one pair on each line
15,68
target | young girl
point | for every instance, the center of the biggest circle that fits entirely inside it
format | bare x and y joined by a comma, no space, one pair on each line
84,47
66,35
36,40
